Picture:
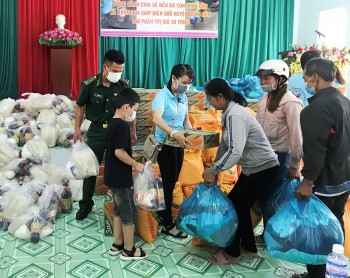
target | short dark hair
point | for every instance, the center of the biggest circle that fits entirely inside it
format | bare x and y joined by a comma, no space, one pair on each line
307,56
324,68
181,70
113,56
126,96
218,86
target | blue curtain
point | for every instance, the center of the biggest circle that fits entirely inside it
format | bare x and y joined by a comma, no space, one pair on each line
250,32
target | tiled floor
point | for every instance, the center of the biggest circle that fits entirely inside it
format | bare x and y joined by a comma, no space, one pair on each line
80,249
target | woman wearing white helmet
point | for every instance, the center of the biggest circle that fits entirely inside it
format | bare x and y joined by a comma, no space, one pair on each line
279,115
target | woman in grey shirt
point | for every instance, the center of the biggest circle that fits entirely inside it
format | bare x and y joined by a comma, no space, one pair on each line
243,142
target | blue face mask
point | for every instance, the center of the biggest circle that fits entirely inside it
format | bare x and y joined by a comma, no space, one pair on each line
310,90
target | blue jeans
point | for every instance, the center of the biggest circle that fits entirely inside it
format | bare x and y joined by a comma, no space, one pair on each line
124,205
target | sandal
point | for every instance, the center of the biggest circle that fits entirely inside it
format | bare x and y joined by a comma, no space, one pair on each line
172,231
130,255
222,258
116,249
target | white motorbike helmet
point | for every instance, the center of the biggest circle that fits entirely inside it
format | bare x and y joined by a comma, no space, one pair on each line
277,67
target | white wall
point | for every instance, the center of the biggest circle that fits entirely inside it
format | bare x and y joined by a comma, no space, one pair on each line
306,20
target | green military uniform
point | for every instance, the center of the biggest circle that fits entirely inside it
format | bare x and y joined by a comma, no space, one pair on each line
99,102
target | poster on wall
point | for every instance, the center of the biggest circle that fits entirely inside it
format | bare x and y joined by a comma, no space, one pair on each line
159,18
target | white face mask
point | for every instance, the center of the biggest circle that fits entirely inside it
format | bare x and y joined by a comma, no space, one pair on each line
131,118
113,76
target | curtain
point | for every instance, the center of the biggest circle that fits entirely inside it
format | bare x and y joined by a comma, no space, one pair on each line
8,49
250,32
37,16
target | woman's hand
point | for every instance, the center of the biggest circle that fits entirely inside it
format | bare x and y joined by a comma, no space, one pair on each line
294,173
208,177
304,190
180,138
139,167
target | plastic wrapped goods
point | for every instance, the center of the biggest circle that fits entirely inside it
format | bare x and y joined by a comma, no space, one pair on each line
37,148
83,162
1,120
6,107
47,116
7,153
65,120
77,189
27,133
85,126
283,194
62,104
209,215
148,190
48,134
65,137
303,232
17,203
18,120
40,102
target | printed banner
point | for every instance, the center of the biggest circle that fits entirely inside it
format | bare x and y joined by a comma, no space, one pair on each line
157,18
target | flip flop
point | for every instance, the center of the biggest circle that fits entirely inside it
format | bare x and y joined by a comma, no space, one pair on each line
220,259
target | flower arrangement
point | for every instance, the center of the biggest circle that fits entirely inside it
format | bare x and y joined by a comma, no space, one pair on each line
60,37
341,57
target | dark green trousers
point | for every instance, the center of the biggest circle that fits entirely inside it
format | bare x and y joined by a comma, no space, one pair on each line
96,140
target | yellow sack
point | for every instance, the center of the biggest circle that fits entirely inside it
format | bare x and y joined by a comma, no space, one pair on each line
208,156
198,118
146,225
192,168
178,198
255,214
227,179
346,219
188,189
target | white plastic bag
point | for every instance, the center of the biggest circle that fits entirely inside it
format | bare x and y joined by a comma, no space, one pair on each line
7,153
83,162
85,126
148,190
47,116
65,120
41,102
62,104
77,189
6,107
37,148
65,137
49,134
17,203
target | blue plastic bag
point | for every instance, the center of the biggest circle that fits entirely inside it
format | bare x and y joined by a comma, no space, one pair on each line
208,214
303,232
283,194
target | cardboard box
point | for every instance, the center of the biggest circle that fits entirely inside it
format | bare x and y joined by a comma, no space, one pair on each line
196,95
137,152
141,138
108,218
200,104
148,94
200,139
144,113
144,121
143,129
145,105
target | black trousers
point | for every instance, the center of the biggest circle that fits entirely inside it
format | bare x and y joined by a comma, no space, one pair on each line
96,140
170,161
337,205
244,194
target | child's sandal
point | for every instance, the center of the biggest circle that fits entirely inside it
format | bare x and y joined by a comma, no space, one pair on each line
130,255
116,249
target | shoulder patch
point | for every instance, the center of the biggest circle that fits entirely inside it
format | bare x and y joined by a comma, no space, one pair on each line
124,80
90,80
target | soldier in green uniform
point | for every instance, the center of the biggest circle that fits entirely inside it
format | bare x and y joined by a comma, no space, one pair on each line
97,98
